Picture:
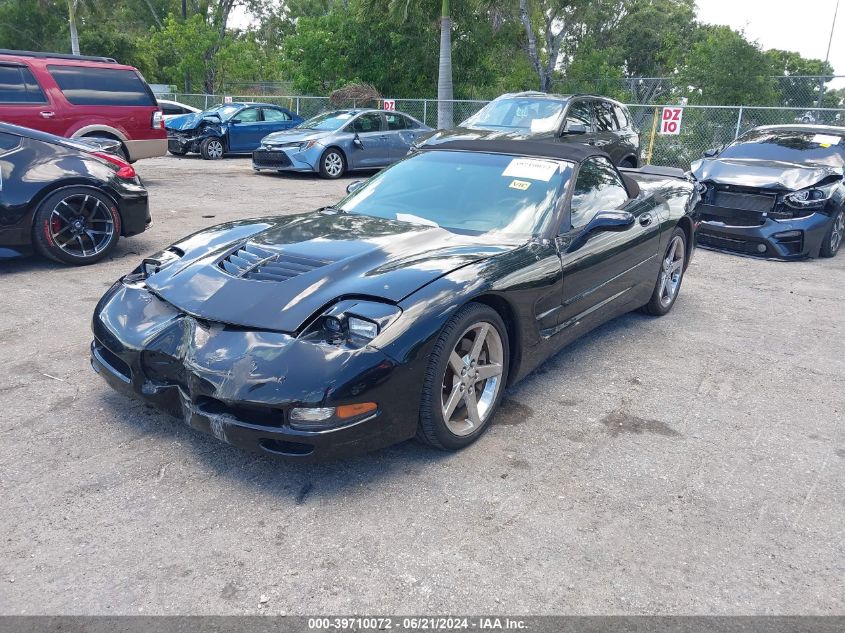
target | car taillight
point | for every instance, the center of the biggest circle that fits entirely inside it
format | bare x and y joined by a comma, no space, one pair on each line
158,120
124,169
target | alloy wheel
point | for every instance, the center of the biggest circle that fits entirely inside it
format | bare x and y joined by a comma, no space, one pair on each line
333,164
215,149
81,225
838,232
671,272
472,379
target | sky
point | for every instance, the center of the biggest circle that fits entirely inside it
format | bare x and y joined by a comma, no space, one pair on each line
802,26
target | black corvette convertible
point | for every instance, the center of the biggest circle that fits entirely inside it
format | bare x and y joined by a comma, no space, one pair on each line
403,311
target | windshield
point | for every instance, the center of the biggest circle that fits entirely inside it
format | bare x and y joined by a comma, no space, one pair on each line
327,121
225,111
523,114
466,192
789,146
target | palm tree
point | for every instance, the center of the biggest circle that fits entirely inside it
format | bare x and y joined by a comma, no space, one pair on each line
72,5
444,74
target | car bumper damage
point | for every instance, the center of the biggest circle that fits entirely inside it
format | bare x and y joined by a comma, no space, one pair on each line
281,159
242,385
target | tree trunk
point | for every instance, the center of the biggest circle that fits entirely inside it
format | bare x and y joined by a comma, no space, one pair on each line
445,118
533,52
74,36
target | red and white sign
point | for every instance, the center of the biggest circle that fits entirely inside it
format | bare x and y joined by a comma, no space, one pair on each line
227,99
390,104
670,121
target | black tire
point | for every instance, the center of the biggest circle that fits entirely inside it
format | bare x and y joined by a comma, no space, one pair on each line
433,429
212,149
835,235
56,218
627,164
661,302
329,161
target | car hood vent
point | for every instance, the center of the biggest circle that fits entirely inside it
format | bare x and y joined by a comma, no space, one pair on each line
258,263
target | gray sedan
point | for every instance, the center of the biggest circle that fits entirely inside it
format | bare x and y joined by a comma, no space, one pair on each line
335,142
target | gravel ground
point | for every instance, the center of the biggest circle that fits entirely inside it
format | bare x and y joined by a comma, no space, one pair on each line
690,464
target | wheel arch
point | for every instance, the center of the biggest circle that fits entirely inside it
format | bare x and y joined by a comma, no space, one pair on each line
339,149
685,224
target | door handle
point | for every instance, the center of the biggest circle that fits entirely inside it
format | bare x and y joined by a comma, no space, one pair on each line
46,114
646,219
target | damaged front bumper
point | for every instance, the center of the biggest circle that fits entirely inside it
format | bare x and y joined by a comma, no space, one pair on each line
268,158
757,235
240,385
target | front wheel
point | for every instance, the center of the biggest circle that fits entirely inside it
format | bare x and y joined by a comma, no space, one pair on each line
465,378
77,225
670,276
835,235
332,164
211,149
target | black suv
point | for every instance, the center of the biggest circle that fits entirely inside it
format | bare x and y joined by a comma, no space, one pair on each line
538,116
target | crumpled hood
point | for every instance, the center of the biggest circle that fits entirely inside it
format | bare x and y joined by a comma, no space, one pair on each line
328,255
188,121
762,174
472,134
295,135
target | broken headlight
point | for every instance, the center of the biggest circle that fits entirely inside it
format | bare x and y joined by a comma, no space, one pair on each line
160,261
811,198
352,323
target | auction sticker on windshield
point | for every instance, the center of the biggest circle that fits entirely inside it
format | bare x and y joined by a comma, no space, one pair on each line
531,168
826,140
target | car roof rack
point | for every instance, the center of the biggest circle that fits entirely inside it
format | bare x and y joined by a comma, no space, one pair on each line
42,55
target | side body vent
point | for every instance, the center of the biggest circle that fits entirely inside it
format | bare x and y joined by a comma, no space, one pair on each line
262,264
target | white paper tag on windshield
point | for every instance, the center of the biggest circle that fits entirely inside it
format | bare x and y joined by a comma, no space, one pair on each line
531,168
826,139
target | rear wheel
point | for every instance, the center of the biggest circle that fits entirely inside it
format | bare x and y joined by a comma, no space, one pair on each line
628,163
332,164
835,236
211,149
78,225
670,276
465,379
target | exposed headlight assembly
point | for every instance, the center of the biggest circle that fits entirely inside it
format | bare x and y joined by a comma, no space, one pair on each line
814,197
160,261
352,323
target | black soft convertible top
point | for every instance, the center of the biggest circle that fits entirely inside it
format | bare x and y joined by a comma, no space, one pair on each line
575,152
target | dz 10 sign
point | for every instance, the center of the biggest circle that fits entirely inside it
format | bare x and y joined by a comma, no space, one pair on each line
670,122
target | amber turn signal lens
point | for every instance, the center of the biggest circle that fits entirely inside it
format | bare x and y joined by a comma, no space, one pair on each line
352,410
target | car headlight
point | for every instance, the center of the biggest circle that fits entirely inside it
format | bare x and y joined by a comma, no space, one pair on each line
351,323
812,197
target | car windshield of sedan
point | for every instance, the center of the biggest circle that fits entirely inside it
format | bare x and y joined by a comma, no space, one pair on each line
224,111
327,121
466,192
523,114
789,146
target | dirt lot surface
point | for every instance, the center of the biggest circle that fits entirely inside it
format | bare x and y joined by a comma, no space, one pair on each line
690,464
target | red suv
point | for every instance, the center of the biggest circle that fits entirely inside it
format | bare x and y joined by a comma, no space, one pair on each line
77,96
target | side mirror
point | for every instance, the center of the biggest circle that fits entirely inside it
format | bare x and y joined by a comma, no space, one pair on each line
354,186
357,141
235,121
615,221
575,128
710,153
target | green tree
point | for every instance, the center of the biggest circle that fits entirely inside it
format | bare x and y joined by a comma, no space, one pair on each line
724,68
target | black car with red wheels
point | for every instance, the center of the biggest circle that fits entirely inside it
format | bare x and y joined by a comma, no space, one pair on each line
67,199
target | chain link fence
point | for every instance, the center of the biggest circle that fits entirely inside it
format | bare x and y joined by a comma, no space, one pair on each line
702,127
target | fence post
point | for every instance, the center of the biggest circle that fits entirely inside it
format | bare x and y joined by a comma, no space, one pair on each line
425,111
297,105
738,122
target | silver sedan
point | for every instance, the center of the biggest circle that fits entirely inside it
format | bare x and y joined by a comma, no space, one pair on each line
335,142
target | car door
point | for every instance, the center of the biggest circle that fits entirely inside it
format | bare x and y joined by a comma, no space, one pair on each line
579,112
374,147
402,132
245,130
607,130
24,102
603,270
